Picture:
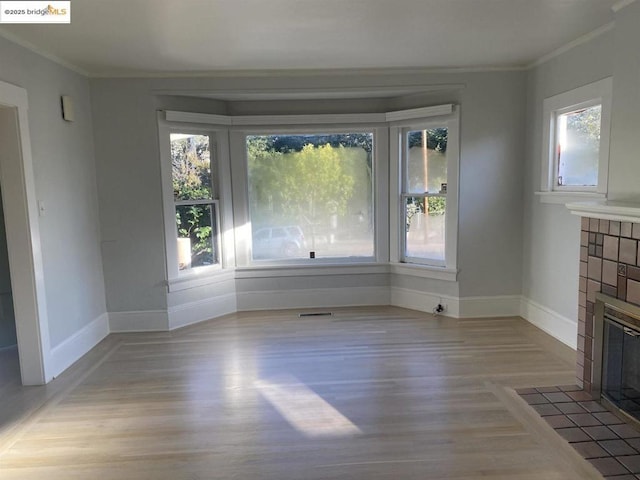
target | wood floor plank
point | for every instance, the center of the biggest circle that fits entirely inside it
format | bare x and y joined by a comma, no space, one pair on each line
261,395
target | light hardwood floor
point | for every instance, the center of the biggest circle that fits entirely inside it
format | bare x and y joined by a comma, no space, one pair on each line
368,393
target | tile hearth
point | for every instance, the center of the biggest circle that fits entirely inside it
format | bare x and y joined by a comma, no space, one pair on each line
606,441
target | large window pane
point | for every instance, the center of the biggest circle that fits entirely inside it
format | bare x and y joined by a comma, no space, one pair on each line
196,241
191,166
425,227
427,160
579,147
311,194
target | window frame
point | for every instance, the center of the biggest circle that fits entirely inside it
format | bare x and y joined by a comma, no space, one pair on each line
181,279
446,269
241,176
596,93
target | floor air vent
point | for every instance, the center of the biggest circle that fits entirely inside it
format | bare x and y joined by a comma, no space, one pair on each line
315,314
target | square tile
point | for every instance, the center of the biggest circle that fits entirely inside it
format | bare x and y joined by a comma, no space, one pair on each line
618,447
625,229
569,388
633,273
600,433
634,442
590,450
559,421
584,419
580,396
534,398
599,251
573,435
571,407
594,268
545,409
610,272
608,418
614,228
625,431
584,223
584,239
628,251
609,290
608,466
622,288
582,285
604,226
593,287
632,462
599,239
635,230
583,269
592,406
594,224
557,397
547,389
610,248
592,238
633,292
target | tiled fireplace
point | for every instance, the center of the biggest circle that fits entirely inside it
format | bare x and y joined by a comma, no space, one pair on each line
609,263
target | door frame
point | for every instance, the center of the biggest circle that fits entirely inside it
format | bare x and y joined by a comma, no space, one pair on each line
23,237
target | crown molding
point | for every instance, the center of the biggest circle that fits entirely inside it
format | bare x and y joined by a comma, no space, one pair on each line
38,51
573,44
621,4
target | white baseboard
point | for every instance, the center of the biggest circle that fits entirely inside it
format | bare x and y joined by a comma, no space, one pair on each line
194,312
313,298
556,325
73,348
423,301
495,306
142,321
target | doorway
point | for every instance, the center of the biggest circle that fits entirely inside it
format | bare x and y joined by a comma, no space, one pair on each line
24,258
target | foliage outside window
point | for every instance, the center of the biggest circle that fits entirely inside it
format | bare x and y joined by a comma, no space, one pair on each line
578,147
311,195
195,200
576,140
424,196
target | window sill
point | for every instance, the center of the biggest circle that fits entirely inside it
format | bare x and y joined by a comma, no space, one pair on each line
562,198
199,279
425,271
304,270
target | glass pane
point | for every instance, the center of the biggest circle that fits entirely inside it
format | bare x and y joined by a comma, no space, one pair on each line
579,147
191,166
311,193
425,227
197,233
427,161
612,362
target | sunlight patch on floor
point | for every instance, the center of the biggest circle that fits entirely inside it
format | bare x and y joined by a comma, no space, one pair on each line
304,409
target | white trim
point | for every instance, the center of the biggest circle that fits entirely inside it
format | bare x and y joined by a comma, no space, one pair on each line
551,322
621,4
424,271
492,306
568,197
38,51
201,311
202,118
140,321
313,298
23,238
194,280
607,210
73,348
309,270
418,113
424,301
599,92
572,44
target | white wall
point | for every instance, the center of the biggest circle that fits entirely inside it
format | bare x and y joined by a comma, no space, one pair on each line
63,159
7,315
492,116
551,233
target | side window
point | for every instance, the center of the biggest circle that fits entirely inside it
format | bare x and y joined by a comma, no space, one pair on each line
424,166
195,200
576,139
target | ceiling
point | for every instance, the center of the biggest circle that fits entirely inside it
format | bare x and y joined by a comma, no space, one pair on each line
156,37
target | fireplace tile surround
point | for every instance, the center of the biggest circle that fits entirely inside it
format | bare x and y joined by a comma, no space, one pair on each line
609,263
